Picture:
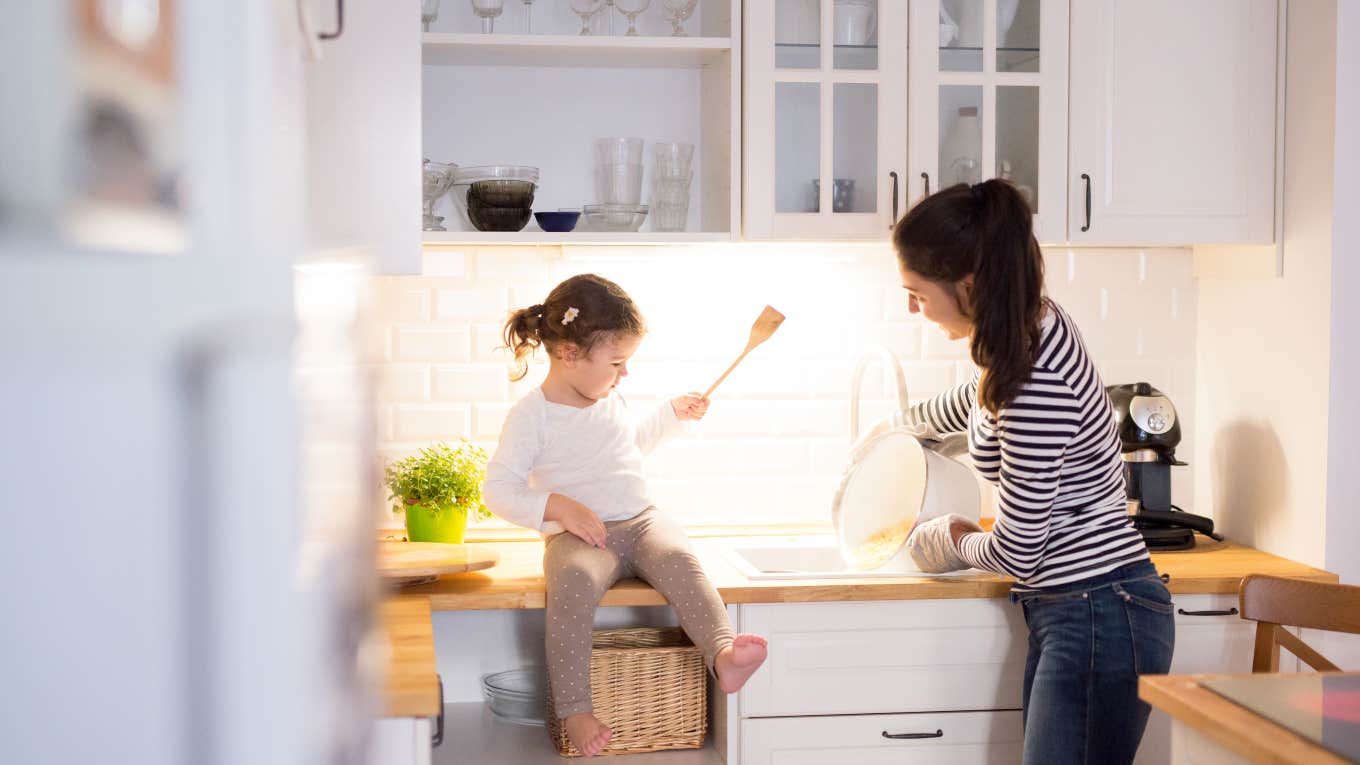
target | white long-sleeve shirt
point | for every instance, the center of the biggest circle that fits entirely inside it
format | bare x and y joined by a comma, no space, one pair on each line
592,455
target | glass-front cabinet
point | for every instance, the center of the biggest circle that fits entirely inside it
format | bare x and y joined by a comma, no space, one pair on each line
825,118
988,99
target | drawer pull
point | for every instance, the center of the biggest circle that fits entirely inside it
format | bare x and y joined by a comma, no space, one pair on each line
1229,612
937,734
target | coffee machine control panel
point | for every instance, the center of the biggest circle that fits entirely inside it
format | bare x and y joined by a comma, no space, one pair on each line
1154,414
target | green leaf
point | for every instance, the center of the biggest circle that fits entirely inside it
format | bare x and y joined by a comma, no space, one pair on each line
440,475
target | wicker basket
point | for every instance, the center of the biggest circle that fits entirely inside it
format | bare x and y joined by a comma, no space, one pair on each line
648,685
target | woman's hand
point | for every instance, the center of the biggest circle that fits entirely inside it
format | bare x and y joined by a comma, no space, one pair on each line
690,406
577,519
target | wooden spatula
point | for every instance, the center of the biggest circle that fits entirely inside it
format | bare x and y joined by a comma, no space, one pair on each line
766,323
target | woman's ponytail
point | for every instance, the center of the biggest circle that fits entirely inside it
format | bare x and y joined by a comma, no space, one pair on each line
984,230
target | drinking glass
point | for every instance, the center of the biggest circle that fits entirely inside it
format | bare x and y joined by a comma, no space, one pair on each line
631,9
586,9
679,11
429,11
528,17
487,11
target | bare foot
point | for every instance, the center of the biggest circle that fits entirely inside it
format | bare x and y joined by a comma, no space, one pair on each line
735,663
588,734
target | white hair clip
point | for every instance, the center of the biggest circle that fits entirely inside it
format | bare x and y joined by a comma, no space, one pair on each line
570,315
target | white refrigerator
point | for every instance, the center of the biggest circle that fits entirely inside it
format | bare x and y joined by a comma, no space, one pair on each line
186,464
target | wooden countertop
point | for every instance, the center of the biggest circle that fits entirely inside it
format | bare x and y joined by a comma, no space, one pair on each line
411,684
517,581
1234,727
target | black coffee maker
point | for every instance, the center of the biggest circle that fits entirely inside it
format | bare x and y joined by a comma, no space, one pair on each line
1148,434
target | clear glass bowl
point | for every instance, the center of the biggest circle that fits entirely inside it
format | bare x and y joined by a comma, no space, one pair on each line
614,217
518,695
464,177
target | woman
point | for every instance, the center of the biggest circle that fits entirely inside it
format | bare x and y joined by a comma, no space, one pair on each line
1041,428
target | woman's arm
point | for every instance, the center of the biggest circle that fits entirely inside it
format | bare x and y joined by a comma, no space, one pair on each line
1034,433
945,413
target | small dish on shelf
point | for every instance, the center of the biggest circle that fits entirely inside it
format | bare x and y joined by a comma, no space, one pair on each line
518,695
486,217
557,222
615,217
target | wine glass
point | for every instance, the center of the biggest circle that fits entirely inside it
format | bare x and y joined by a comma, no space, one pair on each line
631,9
528,17
488,11
586,9
679,10
438,177
429,11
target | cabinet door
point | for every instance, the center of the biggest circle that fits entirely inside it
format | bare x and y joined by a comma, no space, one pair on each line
908,656
1173,122
953,738
401,741
825,94
363,135
989,100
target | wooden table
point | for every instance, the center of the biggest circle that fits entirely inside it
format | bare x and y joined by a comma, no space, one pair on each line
1234,728
412,681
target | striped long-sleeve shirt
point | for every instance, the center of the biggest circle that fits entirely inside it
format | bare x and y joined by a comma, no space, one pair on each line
1053,453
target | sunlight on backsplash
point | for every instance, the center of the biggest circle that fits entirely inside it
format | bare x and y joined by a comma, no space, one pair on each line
775,441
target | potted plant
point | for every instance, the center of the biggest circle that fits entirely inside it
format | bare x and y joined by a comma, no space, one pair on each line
439,488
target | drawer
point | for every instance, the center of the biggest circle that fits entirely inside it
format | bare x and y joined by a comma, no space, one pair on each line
889,656
952,738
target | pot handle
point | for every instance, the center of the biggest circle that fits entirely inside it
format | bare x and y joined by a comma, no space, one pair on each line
857,380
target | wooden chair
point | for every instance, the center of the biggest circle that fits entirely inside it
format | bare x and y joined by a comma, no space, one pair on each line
1275,603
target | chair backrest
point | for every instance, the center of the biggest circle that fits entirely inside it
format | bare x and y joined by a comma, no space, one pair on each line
1274,603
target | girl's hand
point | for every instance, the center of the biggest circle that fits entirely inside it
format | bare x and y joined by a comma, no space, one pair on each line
690,406
577,519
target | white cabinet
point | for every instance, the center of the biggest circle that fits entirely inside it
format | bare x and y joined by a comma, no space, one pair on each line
825,105
956,738
401,741
989,99
1212,638
363,134
1172,122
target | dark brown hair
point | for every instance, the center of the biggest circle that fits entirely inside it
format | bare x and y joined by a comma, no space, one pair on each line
581,311
985,230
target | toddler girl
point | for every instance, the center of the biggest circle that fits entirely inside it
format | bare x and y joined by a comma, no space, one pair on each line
569,464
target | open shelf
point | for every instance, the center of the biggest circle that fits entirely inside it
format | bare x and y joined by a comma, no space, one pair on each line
434,238
473,734
571,50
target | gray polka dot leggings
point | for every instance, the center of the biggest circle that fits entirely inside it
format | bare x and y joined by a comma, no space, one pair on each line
651,547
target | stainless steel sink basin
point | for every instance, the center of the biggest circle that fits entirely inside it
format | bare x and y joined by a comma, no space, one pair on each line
799,558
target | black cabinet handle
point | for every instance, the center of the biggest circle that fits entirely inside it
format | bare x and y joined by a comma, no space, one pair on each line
1229,612
937,734
893,175
339,22
926,177
1087,178
438,737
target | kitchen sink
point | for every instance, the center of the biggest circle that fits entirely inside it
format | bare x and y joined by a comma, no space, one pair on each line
800,558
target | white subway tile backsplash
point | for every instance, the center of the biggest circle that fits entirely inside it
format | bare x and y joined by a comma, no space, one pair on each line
439,261
775,441
431,422
481,304
471,383
430,343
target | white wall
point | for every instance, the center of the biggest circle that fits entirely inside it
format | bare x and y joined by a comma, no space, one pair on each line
1343,436
1264,353
775,442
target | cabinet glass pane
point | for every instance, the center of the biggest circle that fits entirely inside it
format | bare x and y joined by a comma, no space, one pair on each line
1017,36
1017,139
855,134
960,134
797,34
797,149
961,35
856,30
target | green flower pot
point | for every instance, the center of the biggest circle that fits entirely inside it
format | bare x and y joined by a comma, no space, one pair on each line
445,523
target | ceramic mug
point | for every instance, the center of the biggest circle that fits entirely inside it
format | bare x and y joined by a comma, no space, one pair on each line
856,21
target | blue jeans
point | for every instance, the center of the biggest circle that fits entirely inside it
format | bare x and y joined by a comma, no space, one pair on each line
1088,643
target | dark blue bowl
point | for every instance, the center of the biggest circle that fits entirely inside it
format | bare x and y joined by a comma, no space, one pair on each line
557,221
